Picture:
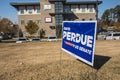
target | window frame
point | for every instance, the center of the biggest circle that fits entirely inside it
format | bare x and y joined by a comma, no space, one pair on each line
39,21
30,9
74,8
22,22
22,10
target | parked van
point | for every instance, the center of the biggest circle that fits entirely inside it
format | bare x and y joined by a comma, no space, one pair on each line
113,36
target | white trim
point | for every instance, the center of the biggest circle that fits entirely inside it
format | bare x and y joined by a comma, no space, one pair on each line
48,20
26,11
47,7
94,41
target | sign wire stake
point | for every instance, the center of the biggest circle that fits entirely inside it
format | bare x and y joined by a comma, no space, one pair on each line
60,64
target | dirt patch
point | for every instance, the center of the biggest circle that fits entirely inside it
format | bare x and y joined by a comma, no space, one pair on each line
41,61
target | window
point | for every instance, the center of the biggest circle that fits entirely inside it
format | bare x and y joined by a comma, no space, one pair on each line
30,20
116,34
38,11
90,9
83,8
38,21
30,9
67,9
109,34
37,8
52,27
74,8
58,7
59,19
22,22
21,10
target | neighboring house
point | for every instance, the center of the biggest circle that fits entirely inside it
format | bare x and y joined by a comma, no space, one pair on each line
49,14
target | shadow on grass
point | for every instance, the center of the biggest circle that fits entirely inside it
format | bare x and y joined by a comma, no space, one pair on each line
99,61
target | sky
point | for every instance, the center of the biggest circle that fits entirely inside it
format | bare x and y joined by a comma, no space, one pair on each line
7,11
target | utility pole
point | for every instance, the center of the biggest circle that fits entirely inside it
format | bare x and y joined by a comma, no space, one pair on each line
96,15
97,10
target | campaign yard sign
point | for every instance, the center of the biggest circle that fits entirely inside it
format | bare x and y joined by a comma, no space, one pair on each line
79,39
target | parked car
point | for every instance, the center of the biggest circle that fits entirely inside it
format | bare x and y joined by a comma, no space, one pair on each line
20,40
52,38
1,37
36,39
6,36
113,36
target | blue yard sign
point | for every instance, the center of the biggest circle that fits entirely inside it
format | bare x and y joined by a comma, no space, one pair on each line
79,39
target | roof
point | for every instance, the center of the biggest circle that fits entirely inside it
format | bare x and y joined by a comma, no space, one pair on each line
15,4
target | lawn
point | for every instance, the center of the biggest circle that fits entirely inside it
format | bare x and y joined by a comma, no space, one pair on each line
46,61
